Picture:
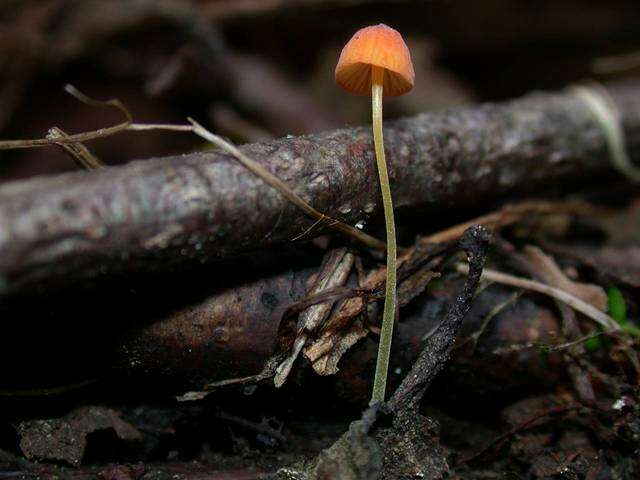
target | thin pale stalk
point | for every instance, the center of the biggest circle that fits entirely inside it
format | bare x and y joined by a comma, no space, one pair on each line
388,316
604,320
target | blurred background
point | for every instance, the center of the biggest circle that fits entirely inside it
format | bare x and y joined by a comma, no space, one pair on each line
258,69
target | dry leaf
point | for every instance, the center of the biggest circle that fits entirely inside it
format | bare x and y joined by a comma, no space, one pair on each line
546,267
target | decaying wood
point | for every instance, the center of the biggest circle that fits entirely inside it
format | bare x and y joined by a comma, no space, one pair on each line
160,213
231,328
220,338
335,273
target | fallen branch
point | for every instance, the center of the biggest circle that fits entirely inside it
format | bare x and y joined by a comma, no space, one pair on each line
156,214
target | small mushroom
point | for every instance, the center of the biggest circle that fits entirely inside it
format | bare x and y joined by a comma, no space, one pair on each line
376,61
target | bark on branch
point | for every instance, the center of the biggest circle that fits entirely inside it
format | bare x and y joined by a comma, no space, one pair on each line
160,213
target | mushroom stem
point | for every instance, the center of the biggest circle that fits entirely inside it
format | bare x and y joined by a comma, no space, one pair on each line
388,316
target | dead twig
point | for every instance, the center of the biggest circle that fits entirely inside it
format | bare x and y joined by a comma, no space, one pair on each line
78,137
475,336
268,371
511,214
581,306
547,347
77,151
438,345
336,269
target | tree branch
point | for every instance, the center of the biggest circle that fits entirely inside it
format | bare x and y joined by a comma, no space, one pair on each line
156,214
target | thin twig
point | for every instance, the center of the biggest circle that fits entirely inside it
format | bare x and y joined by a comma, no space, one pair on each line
509,215
79,137
495,311
547,347
334,273
46,391
574,302
80,154
268,371
140,127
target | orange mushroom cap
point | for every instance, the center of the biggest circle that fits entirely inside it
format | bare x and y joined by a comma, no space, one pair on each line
381,46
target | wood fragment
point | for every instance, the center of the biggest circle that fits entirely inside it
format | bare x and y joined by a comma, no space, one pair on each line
335,271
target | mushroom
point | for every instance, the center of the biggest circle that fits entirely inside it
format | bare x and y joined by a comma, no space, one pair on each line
376,61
